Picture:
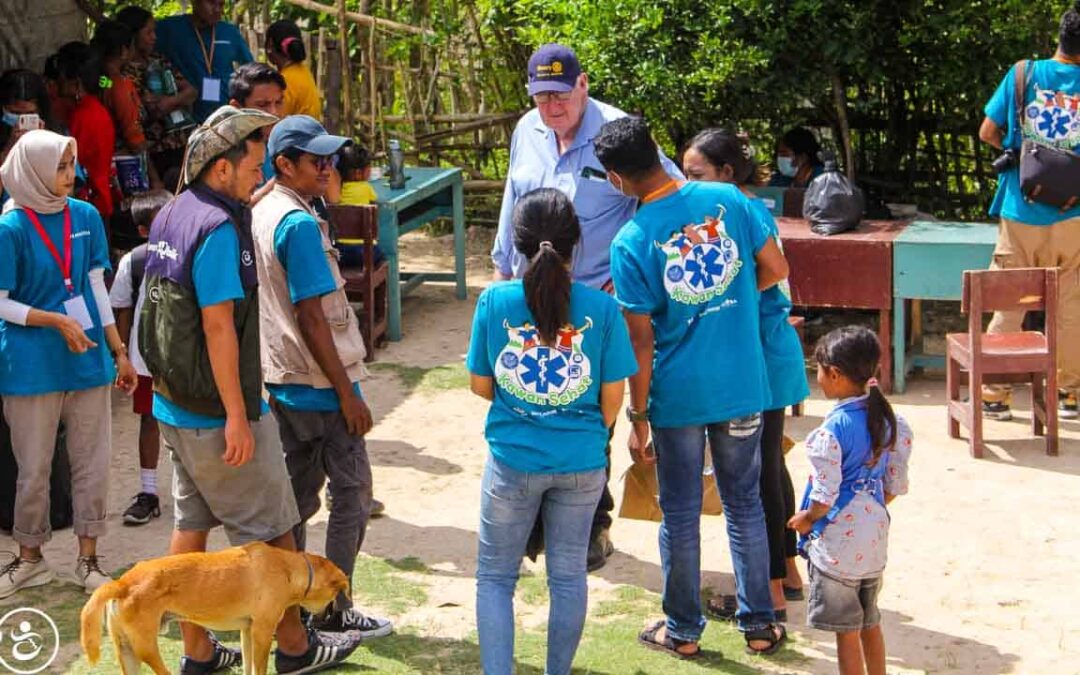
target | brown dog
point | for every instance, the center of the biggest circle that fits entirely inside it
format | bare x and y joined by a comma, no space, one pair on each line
246,589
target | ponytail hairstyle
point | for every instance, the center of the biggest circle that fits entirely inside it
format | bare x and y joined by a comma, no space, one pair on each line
855,352
722,147
1069,36
546,230
111,38
285,39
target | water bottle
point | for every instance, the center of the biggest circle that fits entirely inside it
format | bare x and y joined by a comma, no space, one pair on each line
397,165
155,84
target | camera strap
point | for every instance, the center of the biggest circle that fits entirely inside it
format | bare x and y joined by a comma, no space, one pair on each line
1020,81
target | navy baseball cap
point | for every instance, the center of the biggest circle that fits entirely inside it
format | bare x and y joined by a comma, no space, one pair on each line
305,133
553,67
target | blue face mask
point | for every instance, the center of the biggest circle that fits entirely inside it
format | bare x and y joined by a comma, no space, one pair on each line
10,119
786,166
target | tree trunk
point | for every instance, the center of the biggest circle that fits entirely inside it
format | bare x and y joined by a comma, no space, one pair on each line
840,103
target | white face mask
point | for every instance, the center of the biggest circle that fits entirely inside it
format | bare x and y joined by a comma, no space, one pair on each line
786,166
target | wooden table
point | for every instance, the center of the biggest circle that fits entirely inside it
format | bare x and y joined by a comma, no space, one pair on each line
929,259
429,193
853,270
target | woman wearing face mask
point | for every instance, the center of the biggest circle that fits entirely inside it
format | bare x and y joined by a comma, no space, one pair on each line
56,336
719,155
22,92
797,161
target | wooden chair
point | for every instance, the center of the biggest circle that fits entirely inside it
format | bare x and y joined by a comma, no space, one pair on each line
367,284
1005,357
799,324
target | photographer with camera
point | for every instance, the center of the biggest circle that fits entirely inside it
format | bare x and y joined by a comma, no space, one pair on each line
1034,117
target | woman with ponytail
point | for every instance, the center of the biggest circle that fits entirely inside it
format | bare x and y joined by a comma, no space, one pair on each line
552,356
721,156
285,49
859,458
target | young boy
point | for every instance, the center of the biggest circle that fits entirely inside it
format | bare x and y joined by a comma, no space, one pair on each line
126,299
354,165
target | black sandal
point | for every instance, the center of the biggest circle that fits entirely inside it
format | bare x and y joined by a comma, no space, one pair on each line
775,634
669,644
724,607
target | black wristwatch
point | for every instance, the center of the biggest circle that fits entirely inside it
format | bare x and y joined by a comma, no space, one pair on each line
637,415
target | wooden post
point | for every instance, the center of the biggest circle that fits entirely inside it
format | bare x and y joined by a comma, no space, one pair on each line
332,85
373,85
345,124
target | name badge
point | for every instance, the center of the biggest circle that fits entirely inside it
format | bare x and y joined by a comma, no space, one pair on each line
211,89
76,309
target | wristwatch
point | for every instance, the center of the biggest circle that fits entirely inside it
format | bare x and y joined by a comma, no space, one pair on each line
637,415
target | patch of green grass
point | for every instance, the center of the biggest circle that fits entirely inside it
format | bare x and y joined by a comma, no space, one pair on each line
532,589
626,600
438,378
380,582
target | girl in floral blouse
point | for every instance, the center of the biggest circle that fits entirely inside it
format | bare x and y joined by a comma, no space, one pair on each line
860,458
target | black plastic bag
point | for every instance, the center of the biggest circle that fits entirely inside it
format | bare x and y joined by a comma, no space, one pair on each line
60,500
832,203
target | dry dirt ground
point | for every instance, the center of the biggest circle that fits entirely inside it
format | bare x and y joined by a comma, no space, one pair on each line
980,576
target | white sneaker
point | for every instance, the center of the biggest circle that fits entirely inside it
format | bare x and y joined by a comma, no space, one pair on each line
19,574
88,573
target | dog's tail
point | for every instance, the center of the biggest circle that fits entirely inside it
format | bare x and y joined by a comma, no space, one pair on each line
90,634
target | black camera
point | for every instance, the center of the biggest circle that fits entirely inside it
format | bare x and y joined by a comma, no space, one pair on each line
1006,161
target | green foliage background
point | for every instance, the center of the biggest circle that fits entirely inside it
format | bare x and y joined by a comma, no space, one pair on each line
907,69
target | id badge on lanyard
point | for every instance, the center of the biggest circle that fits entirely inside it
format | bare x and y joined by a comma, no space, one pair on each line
75,305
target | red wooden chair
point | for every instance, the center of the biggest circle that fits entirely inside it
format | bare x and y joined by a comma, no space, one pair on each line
1005,357
799,324
367,284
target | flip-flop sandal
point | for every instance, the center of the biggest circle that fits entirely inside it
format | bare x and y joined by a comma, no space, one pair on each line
724,608
669,644
775,634
792,594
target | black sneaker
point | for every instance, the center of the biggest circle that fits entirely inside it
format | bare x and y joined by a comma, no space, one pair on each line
224,658
144,507
325,650
600,548
1067,409
998,410
350,620
377,508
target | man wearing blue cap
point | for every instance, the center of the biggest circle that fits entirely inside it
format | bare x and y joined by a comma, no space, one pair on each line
312,355
552,147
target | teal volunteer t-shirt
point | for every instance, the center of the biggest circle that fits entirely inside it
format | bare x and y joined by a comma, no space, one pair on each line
35,360
546,416
687,260
178,41
299,248
784,362
216,275
1051,116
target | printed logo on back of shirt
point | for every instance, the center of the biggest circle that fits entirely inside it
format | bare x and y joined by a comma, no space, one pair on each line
701,261
1053,118
555,375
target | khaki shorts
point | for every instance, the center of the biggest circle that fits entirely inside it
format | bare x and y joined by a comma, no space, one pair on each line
253,502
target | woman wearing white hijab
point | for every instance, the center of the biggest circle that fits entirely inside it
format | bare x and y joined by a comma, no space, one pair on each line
55,322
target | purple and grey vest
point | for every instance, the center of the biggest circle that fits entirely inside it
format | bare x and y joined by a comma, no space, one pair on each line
171,337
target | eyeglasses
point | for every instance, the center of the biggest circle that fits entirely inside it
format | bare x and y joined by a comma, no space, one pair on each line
545,97
322,162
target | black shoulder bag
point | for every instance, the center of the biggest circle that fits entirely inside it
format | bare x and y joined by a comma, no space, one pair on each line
1048,175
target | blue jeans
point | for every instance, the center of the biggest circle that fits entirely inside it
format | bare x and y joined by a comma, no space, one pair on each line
680,458
508,507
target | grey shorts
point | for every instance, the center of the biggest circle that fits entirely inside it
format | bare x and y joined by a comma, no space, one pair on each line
253,502
841,605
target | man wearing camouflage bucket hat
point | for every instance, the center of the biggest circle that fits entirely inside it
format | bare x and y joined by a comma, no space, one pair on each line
199,332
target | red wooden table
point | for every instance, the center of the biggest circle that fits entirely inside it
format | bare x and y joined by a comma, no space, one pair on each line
853,270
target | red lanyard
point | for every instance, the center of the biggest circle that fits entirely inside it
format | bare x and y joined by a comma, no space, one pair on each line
63,263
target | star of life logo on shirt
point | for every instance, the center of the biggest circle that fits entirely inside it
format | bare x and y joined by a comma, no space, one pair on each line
702,261
555,375
1053,118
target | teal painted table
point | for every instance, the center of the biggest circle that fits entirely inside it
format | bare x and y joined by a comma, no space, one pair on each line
929,260
429,193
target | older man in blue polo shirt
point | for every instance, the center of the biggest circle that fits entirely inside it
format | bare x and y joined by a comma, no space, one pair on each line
552,147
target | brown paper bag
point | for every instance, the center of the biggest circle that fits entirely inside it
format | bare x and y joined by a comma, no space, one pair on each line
641,494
